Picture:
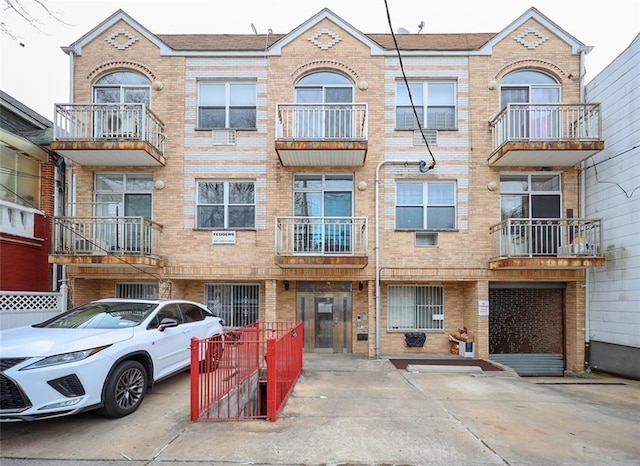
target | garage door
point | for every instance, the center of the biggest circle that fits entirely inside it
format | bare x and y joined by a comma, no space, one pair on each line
526,329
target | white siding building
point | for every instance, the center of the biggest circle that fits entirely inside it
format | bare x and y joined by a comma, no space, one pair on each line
612,192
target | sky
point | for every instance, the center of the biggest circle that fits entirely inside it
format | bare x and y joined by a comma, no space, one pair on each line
35,71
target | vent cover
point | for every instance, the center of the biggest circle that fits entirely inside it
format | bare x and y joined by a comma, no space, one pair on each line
430,134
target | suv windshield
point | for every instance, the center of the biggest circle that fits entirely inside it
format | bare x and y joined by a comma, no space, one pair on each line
102,315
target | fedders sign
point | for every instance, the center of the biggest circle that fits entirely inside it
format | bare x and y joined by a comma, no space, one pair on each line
223,237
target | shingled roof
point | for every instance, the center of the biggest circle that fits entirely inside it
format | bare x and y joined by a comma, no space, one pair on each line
252,42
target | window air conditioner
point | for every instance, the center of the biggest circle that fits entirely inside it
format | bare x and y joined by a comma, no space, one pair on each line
223,137
120,126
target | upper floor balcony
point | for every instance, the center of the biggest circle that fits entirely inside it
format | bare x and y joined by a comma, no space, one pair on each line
322,134
542,243
106,241
545,135
113,135
321,242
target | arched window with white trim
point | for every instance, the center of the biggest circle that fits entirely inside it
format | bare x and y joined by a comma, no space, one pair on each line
533,98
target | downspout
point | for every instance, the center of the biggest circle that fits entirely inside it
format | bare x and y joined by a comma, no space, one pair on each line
423,169
582,211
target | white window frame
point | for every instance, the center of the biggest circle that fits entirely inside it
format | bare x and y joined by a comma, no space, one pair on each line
424,103
428,204
227,104
226,204
415,308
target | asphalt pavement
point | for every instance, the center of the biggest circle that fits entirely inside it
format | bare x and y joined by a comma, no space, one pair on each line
347,410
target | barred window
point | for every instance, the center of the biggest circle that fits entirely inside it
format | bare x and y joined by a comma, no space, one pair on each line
137,290
416,308
237,304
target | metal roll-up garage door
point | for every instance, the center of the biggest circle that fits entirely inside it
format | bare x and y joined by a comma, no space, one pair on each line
526,328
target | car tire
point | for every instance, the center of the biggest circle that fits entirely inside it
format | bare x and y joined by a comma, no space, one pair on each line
124,390
214,354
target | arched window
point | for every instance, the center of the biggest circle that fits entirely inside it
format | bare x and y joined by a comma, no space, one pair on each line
324,117
126,87
529,93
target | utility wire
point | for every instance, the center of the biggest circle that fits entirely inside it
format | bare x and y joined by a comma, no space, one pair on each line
423,166
627,193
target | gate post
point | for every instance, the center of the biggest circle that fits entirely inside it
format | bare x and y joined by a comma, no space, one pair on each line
195,379
272,377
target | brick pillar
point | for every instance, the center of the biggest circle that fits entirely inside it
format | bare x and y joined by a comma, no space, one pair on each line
270,308
575,326
479,325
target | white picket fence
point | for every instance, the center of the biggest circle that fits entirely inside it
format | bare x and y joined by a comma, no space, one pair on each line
18,308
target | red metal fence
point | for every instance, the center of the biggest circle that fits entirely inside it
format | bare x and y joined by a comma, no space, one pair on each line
246,373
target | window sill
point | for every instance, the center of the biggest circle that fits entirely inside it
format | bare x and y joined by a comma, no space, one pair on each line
225,129
432,129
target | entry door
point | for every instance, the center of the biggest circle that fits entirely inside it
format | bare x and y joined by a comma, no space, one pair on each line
327,321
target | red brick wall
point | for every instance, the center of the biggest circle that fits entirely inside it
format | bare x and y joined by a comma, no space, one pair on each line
526,320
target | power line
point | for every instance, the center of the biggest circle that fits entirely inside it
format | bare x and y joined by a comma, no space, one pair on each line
423,166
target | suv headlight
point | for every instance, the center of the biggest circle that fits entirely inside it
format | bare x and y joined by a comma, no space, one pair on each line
64,358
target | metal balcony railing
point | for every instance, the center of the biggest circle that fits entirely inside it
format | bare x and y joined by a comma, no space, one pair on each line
321,122
121,236
546,122
108,122
550,237
319,236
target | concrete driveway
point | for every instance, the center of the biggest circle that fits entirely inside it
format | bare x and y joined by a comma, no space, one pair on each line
348,410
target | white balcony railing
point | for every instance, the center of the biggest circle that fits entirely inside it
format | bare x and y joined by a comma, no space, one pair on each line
546,122
321,122
320,236
135,236
550,237
17,220
108,122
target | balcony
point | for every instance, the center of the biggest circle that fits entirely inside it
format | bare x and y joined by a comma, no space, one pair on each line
545,135
322,135
106,242
112,135
321,242
544,243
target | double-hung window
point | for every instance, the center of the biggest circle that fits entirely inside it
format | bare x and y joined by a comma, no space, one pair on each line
434,101
426,205
226,204
416,307
227,105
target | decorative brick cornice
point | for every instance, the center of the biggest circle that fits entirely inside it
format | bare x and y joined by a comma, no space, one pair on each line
529,63
325,39
318,65
114,65
121,39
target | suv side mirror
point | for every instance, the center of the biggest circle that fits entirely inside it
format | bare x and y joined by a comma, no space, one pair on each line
167,323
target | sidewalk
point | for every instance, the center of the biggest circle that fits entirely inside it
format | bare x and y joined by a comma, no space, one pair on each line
348,410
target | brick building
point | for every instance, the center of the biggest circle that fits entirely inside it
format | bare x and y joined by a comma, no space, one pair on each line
326,176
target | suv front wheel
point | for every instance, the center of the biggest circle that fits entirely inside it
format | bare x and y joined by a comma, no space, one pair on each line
124,390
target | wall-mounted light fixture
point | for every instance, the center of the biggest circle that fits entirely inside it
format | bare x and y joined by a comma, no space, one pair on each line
361,286
492,185
492,85
157,85
159,184
362,185
286,285
363,85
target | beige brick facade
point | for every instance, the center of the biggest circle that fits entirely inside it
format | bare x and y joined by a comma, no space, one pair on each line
460,261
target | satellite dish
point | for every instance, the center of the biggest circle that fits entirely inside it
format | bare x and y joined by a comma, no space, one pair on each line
403,31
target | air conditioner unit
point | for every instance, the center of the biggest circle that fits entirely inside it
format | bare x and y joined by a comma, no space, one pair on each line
89,247
223,137
120,126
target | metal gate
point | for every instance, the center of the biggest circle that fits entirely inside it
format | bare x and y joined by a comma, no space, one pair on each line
248,373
